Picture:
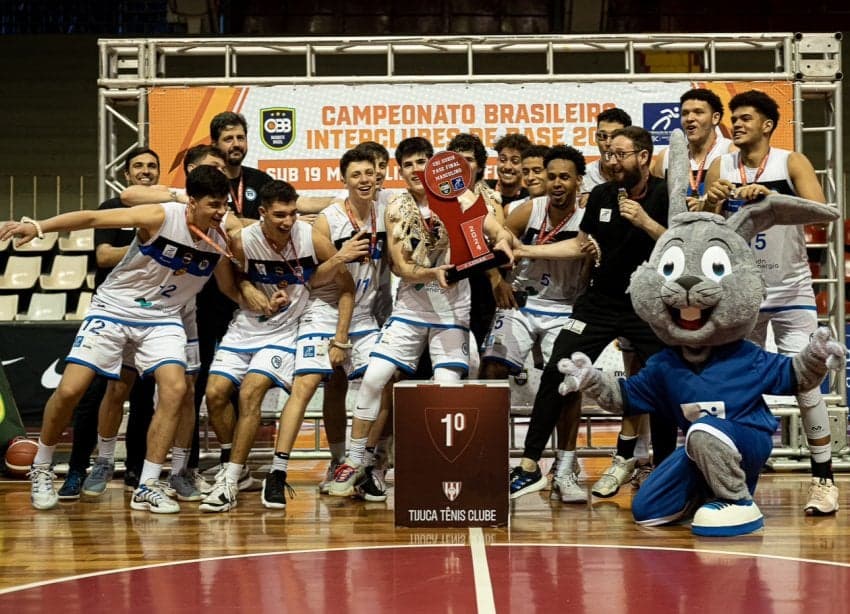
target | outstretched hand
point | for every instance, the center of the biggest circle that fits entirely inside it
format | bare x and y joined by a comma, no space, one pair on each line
579,373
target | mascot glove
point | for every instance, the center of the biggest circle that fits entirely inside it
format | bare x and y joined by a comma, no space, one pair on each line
579,373
825,348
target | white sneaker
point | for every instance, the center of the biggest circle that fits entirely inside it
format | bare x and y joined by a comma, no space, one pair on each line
346,476
222,497
325,485
567,489
154,496
42,493
614,476
554,495
823,497
201,484
247,482
721,518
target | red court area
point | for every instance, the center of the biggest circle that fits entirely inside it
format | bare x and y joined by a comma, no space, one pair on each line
457,578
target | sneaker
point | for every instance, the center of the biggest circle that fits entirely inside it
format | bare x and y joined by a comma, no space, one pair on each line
222,497
641,473
72,486
370,487
554,494
42,494
568,490
823,497
614,476
526,482
721,518
184,486
247,482
325,485
198,480
131,480
275,490
154,496
98,479
345,477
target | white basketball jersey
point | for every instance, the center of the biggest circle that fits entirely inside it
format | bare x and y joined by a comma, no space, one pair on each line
721,146
157,278
592,177
552,285
780,251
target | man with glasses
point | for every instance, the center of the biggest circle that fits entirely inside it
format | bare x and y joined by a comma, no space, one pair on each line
599,171
619,232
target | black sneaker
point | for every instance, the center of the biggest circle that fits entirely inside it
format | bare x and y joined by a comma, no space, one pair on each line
131,480
525,482
369,487
73,485
275,488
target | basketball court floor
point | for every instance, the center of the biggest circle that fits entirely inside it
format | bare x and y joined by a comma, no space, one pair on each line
327,554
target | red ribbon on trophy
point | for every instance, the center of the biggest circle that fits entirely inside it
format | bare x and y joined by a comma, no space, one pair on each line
447,179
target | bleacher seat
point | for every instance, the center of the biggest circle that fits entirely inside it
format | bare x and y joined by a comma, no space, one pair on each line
90,281
67,273
78,241
45,307
39,245
8,307
83,303
21,273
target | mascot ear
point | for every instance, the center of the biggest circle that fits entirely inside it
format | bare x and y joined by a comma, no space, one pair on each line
779,209
678,174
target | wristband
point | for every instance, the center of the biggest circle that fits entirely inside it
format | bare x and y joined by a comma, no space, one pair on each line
29,220
340,344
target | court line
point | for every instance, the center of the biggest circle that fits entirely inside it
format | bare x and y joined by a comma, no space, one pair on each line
484,598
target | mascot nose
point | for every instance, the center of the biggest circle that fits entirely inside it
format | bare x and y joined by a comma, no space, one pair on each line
688,281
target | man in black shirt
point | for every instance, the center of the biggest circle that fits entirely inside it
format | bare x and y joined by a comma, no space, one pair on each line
624,217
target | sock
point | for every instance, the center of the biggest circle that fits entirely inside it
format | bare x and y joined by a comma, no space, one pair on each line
280,462
821,461
626,446
44,456
369,457
106,447
179,458
150,471
233,471
642,448
338,451
358,451
566,459
224,453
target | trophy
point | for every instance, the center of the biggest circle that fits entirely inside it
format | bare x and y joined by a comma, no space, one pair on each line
447,179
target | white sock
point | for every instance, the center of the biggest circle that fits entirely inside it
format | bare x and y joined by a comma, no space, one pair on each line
233,471
338,451
821,454
179,459
280,461
150,471
358,451
106,447
566,459
44,456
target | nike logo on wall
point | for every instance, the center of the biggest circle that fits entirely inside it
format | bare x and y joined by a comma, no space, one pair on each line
51,376
12,361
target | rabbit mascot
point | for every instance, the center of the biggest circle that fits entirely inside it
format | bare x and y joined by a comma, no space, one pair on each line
700,292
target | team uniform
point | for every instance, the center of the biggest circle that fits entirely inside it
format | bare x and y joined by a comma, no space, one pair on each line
721,146
723,398
371,281
592,177
552,287
426,314
254,342
137,308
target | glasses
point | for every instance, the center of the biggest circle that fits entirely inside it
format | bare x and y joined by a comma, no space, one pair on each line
620,155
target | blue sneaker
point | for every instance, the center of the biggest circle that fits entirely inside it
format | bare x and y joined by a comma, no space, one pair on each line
96,482
73,485
526,482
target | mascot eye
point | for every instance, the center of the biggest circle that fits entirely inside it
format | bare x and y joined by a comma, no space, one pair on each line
672,262
715,263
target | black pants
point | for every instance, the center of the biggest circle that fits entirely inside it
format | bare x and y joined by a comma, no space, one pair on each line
85,424
597,320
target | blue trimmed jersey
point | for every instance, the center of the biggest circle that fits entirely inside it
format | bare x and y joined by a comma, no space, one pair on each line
721,146
729,386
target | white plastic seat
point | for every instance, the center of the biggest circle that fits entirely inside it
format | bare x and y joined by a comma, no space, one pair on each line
78,241
90,281
39,245
45,307
67,273
8,307
83,303
21,273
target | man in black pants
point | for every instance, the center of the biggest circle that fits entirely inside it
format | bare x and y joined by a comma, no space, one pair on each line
624,217
142,168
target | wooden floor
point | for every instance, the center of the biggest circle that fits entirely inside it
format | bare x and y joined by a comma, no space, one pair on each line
100,535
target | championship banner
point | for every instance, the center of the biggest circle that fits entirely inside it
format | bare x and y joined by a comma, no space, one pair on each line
299,133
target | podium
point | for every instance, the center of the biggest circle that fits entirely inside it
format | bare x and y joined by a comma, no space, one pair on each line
451,453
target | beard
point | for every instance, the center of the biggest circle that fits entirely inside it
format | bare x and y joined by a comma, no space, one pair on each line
235,158
630,178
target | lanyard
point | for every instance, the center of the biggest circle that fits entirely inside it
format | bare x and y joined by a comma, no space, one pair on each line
204,237
297,271
544,237
701,170
743,172
373,239
237,198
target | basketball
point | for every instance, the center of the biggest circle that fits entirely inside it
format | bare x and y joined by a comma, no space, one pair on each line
19,456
